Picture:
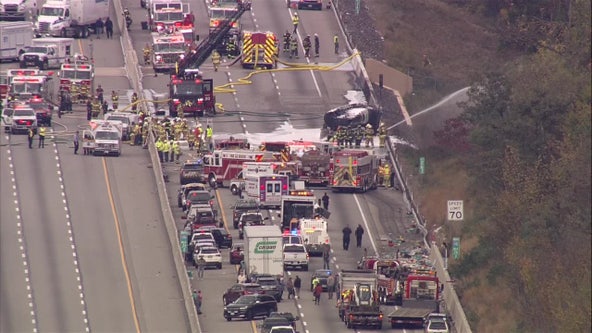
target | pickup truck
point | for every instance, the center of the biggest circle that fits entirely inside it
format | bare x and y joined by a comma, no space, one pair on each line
295,255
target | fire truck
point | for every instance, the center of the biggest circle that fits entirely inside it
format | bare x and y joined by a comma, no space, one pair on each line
354,170
78,79
28,86
167,50
316,168
6,78
254,169
168,15
221,14
259,49
187,86
221,166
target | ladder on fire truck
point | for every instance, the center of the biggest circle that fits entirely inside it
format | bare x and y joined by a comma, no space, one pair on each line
200,54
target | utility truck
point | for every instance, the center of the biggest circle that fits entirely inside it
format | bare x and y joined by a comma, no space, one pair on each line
358,300
47,53
15,37
315,235
70,18
264,252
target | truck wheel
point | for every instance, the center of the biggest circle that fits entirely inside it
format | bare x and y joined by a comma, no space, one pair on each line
212,181
219,266
234,190
43,66
348,324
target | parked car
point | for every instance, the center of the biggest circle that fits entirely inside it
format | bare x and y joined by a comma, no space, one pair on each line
210,254
277,320
322,274
250,306
238,290
192,172
202,216
223,238
202,235
185,189
240,207
270,286
237,253
250,218
199,197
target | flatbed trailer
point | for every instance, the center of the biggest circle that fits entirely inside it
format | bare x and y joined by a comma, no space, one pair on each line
412,315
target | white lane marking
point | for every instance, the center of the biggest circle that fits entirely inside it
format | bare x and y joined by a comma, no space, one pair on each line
22,248
314,79
365,223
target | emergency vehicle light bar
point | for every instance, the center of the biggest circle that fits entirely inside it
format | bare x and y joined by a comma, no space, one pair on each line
302,193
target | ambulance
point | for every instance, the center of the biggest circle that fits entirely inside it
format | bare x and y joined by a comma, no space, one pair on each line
267,190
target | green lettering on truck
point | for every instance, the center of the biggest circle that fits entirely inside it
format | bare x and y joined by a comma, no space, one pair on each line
265,247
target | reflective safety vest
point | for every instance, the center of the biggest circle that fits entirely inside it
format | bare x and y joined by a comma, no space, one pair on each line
166,146
42,131
209,132
295,19
335,39
176,148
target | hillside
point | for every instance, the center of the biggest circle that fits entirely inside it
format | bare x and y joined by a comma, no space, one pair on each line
519,155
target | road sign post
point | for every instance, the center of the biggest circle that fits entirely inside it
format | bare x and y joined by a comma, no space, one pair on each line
422,165
456,247
455,210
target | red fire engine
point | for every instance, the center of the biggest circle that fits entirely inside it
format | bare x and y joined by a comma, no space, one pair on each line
354,170
195,93
404,283
77,78
169,15
221,166
316,168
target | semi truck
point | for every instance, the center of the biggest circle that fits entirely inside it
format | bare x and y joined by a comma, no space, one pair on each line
264,252
70,18
15,37
358,300
16,10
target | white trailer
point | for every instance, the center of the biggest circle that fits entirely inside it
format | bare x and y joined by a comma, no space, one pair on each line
15,38
47,53
67,18
264,252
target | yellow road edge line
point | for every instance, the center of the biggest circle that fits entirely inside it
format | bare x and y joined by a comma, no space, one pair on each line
80,46
222,210
253,326
121,250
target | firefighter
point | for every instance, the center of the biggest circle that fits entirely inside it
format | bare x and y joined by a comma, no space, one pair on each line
293,47
114,99
359,135
381,174
88,110
381,135
176,151
100,93
180,109
216,60
231,47
387,175
336,44
287,42
132,134
316,45
134,102
166,147
369,136
138,138
197,133
295,20
96,107
145,128
74,93
349,136
209,137
307,45
340,136
41,137
147,52
159,148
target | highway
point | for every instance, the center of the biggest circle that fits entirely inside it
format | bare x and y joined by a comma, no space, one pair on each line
274,104
84,247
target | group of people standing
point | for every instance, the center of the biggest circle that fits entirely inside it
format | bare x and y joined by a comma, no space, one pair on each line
104,27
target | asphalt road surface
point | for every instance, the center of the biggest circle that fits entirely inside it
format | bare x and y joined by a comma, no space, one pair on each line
94,254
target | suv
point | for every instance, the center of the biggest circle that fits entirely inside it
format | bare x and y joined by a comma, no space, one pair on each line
192,172
23,118
249,218
284,320
7,118
185,189
201,215
239,289
270,286
199,197
437,323
295,255
223,238
43,111
240,207
210,254
250,306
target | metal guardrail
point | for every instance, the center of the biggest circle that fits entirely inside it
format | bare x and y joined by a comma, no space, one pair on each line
134,74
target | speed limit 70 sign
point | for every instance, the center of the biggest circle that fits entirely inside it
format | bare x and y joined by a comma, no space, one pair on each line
455,210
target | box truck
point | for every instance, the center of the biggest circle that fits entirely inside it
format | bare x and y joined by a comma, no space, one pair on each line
264,252
15,37
47,53
70,18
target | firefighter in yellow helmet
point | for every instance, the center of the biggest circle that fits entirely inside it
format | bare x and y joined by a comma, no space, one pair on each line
216,60
381,135
114,99
147,51
369,136
387,175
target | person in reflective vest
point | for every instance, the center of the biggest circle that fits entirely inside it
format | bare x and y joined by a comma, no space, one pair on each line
134,101
159,148
293,47
114,99
369,136
41,137
147,52
295,21
209,136
176,151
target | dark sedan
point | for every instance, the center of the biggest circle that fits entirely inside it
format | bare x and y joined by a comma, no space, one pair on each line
322,275
238,290
271,286
250,306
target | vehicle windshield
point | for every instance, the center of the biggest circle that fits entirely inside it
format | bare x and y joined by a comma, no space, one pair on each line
31,88
292,248
196,196
37,49
267,282
77,75
169,47
189,88
221,13
192,166
23,113
437,325
208,251
281,330
50,11
106,135
39,106
123,119
246,300
169,16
